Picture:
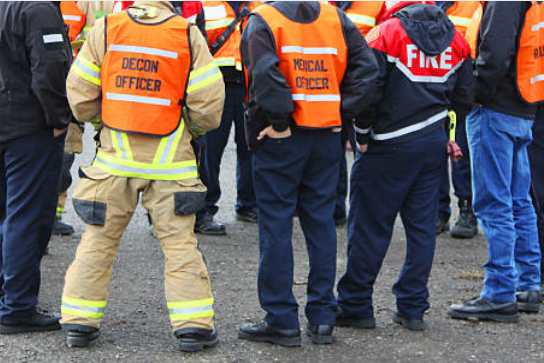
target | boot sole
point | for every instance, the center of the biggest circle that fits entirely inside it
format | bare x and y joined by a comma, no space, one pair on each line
319,339
18,329
283,341
80,342
529,307
499,318
196,346
357,324
408,324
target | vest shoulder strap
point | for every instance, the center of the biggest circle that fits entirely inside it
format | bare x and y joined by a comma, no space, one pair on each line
221,40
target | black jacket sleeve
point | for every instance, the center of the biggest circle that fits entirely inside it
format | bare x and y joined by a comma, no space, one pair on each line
359,82
47,45
462,98
497,45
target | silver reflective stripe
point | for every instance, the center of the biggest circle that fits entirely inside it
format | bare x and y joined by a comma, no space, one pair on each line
119,138
203,76
303,50
168,146
360,130
191,310
412,128
87,70
537,27
52,38
427,79
146,171
315,98
142,50
540,77
138,99
83,308
71,17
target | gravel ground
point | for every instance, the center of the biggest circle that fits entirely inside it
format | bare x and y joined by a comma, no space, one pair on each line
136,325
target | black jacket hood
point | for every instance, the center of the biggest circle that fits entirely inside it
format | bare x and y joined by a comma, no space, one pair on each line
428,27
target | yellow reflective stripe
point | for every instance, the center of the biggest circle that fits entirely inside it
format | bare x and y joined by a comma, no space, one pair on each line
115,143
216,24
460,21
190,304
87,70
160,150
168,146
80,313
203,77
126,146
175,142
97,121
225,61
204,314
87,303
362,19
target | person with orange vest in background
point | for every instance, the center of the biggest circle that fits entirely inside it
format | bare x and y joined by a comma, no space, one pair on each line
365,15
460,13
147,76
301,90
509,71
425,68
79,17
223,23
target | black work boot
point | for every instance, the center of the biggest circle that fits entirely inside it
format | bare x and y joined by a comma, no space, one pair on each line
196,339
79,336
528,301
206,225
467,224
247,215
320,334
262,332
62,229
480,308
36,322
414,324
442,224
343,319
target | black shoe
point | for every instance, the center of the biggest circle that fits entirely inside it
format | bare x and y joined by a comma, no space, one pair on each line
79,336
413,324
320,334
442,224
38,321
467,224
528,301
247,215
479,308
262,332
196,339
206,225
343,319
62,229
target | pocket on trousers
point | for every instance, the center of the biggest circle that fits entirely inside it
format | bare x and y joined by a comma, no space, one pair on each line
90,195
189,198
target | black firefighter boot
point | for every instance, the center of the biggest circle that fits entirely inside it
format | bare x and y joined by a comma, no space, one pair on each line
467,224
79,336
62,229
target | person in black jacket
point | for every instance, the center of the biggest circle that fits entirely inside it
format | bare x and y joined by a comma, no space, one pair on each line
34,115
499,132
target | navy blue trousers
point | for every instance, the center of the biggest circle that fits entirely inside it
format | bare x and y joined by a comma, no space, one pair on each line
460,172
213,146
342,189
386,180
536,158
30,170
300,172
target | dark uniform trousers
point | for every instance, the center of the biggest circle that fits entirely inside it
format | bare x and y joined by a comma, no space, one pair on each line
213,146
297,173
386,180
536,158
29,188
460,172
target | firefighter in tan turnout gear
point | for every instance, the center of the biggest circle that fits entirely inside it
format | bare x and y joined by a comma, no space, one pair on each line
149,77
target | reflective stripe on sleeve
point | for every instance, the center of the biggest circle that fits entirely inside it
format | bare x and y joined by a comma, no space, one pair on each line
202,77
362,19
138,99
412,128
459,20
71,17
93,309
52,38
316,98
187,310
361,131
304,50
142,50
87,70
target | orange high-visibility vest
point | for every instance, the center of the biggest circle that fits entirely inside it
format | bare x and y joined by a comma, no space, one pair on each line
313,66
219,15
461,14
530,60
364,14
473,29
73,17
144,74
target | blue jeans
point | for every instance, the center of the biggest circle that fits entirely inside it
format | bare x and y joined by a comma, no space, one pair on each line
501,182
